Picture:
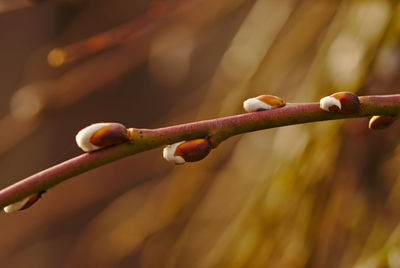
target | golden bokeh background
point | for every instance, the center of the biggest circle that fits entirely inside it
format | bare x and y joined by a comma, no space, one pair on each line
314,195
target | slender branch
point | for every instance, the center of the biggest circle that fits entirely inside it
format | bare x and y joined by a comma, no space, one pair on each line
217,130
151,20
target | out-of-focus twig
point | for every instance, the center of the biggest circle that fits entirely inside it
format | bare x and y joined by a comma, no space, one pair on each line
11,5
154,17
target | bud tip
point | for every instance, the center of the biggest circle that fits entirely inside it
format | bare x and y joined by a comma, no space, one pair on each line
169,153
330,104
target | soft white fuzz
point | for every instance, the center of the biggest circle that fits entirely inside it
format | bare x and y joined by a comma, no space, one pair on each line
83,137
326,102
16,206
169,153
254,105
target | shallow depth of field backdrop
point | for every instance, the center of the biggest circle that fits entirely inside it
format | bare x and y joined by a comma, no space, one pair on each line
314,195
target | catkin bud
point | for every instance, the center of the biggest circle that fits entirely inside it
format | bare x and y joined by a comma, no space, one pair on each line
187,151
380,121
24,203
263,102
100,135
344,102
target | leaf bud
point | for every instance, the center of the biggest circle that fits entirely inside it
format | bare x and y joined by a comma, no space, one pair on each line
344,102
187,151
262,103
24,203
100,135
380,121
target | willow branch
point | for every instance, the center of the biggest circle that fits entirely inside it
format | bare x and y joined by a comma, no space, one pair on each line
217,130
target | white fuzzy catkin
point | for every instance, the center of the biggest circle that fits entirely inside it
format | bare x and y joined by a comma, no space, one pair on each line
254,105
326,102
16,206
83,137
169,153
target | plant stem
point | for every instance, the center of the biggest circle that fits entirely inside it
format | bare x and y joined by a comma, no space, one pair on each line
217,130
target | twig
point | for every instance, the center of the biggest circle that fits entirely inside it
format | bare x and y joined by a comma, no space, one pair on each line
8,6
155,17
217,130
62,55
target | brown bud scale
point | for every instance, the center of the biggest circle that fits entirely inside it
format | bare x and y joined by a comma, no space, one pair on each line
32,200
350,102
193,150
272,100
110,135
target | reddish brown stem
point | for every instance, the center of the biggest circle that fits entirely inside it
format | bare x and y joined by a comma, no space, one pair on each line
216,129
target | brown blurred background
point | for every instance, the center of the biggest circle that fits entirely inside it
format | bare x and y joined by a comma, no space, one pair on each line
315,195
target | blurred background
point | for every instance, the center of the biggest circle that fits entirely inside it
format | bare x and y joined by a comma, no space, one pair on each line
314,195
